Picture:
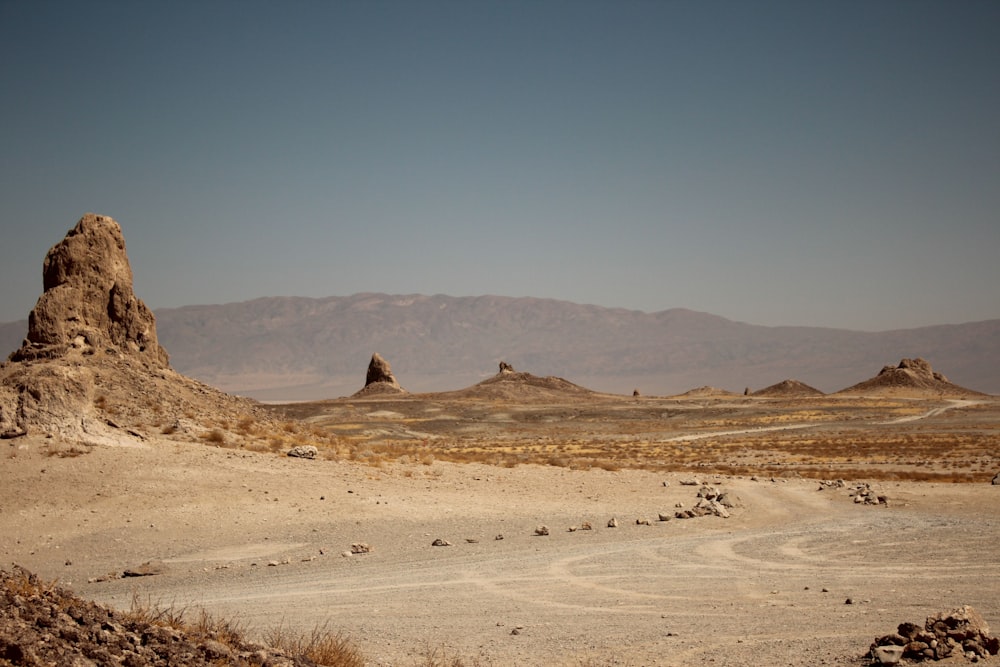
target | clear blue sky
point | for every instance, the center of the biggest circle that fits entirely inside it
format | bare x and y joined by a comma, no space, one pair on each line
811,163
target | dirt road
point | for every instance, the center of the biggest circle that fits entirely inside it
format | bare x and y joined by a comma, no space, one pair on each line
767,586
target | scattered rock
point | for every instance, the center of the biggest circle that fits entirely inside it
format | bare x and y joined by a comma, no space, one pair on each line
613,522
664,517
440,543
542,530
996,479
303,451
643,522
360,548
887,655
505,368
586,526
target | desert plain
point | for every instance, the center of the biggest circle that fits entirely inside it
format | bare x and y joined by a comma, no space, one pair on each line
799,573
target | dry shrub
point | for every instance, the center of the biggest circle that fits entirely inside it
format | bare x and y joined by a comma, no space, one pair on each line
215,437
320,645
69,452
245,426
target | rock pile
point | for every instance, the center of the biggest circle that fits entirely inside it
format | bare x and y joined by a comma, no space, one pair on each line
711,502
861,493
961,632
48,625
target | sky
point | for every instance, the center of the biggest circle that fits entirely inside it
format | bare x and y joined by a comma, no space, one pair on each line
822,163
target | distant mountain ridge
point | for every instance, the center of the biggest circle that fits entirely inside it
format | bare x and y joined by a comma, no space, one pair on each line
296,347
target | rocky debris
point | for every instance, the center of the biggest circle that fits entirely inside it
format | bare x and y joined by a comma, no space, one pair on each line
831,484
441,543
996,479
505,368
642,521
541,530
359,548
303,452
788,389
909,376
663,517
961,632
635,393
88,306
44,624
864,494
711,502
613,522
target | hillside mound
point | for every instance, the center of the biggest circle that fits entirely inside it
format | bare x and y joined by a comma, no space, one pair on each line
789,389
509,384
706,391
911,377
91,369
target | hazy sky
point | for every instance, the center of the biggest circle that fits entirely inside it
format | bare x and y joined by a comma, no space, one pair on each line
813,163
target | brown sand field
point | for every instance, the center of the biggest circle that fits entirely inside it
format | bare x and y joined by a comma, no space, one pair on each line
234,526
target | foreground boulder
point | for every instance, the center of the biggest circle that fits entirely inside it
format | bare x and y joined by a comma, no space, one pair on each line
88,304
961,633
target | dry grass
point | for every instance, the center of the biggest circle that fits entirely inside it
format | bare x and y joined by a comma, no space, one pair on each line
320,645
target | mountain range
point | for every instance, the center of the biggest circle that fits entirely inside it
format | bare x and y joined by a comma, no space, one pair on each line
292,348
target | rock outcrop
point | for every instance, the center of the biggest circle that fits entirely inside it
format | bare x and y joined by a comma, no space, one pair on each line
91,370
910,376
380,379
88,304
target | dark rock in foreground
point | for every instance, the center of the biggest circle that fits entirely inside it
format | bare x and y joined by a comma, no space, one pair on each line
47,625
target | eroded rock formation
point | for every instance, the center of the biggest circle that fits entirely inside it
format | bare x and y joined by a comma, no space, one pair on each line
88,304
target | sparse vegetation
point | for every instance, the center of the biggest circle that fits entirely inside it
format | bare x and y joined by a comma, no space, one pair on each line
821,437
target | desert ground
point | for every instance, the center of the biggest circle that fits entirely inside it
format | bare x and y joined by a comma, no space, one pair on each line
798,574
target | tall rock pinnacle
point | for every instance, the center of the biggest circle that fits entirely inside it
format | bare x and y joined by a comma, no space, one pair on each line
88,303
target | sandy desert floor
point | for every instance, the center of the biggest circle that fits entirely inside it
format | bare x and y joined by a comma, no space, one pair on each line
264,537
